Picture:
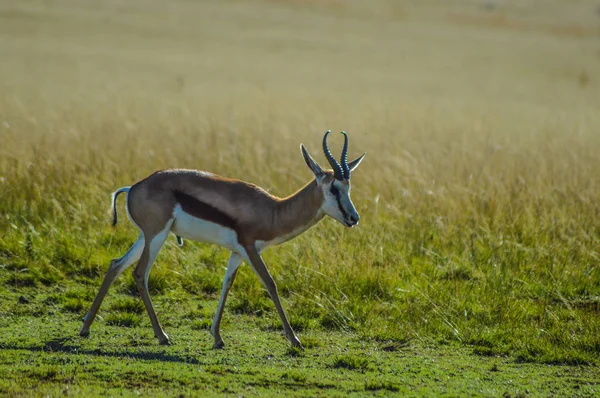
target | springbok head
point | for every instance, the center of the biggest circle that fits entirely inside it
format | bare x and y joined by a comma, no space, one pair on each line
336,184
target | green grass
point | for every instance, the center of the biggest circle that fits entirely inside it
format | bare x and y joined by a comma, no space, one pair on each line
46,357
474,270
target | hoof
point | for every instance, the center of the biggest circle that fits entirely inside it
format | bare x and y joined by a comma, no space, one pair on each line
84,333
164,340
218,345
296,343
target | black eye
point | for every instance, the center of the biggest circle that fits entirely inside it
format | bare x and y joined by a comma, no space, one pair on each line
334,190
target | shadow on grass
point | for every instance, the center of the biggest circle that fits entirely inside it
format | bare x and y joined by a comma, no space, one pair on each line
67,345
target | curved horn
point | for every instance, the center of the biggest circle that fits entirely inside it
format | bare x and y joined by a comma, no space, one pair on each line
337,169
344,158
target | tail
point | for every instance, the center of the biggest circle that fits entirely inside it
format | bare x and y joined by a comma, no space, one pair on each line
114,202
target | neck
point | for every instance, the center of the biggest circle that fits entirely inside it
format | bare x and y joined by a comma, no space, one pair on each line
299,211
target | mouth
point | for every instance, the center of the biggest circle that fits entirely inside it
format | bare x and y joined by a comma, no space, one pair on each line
350,224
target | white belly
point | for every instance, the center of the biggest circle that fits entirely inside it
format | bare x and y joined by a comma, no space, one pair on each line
190,227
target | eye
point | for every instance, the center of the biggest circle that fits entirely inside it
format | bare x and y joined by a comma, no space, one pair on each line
334,190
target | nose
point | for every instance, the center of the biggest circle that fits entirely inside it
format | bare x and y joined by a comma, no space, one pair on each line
354,219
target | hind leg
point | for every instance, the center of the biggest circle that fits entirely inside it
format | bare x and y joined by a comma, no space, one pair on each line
117,266
142,272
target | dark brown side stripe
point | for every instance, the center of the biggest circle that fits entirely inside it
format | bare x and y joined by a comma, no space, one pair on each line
203,210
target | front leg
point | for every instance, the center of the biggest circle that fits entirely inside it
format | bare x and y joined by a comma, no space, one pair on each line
261,270
232,266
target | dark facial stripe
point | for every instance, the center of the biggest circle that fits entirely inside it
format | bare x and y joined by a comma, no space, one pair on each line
202,210
336,193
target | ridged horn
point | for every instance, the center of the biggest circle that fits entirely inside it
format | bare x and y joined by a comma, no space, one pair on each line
337,169
344,158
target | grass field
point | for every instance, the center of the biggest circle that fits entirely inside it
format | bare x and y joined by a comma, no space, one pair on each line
475,269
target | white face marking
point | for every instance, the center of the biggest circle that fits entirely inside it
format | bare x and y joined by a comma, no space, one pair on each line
190,227
338,204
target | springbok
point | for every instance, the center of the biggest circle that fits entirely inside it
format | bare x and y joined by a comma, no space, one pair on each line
237,215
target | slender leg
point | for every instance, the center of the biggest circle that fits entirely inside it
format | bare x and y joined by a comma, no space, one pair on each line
232,266
117,266
261,270
142,272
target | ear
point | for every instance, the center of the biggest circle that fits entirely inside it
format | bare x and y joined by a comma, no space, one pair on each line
354,164
310,162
